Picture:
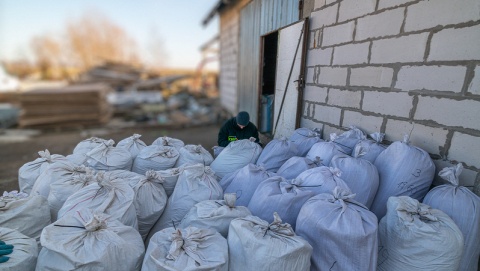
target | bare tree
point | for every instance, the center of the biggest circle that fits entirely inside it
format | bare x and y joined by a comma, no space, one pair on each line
47,53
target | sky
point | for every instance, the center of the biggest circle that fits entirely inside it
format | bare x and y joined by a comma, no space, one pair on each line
176,23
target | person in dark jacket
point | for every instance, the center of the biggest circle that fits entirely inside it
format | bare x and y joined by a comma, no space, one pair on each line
237,128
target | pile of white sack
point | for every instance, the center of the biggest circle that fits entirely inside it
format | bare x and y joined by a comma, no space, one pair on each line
299,203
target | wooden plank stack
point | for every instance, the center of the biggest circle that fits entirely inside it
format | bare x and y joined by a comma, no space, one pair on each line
75,105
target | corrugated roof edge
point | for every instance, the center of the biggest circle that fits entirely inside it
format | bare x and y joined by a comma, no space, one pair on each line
220,4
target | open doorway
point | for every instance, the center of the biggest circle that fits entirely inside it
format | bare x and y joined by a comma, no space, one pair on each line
267,87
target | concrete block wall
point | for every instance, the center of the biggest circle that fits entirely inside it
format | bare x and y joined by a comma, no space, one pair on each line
399,67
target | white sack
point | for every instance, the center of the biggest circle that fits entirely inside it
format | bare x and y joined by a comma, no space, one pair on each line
254,244
186,249
214,214
193,154
463,207
414,237
84,146
168,141
88,241
132,144
171,177
322,179
25,251
305,138
196,183
326,150
28,215
236,155
29,172
244,182
276,153
107,157
404,170
371,148
360,175
109,195
155,157
296,165
347,140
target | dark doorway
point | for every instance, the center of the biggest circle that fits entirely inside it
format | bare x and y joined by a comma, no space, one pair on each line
268,72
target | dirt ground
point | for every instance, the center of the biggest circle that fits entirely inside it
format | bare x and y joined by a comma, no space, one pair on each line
15,150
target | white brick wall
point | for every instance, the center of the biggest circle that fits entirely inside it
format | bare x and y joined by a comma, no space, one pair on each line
315,94
368,124
371,76
465,148
309,124
474,86
387,103
327,130
374,25
392,3
449,112
319,4
332,76
327,114
319,57
456,44
309,78
442,78
344,98
351,54
466,178
427,138
326,16
425,14
338,34
394,49
350,9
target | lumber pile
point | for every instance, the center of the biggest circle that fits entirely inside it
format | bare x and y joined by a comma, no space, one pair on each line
67,106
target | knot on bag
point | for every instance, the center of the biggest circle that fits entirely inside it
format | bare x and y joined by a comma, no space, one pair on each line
406,139
318,161
197,149
252,139
333,136
102,148
96,222
13,195
341,195
409,208
287,185
359,151
153,176
230,199
104,180
136,137
95,140
208,170
187,242
45,155
83,179
452,174
278,227
335,171
378,137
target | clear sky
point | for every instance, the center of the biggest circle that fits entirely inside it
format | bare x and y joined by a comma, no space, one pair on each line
175,22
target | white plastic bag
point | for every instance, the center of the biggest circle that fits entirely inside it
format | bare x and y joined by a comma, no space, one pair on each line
84,146
132,144
276,153
193,154
155,157
347,140
25,251
322,179
171,178
305,138
107,157
296,165
168,141
371,149
325,150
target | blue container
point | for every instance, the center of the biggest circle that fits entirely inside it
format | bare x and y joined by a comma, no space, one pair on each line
267,112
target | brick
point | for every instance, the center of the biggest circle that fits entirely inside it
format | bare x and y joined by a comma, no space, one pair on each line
351,54
428,14
319,56
392,3
312,40
368,124
338,34
306,109
440,78
371,76
466,178
326,16
309,77
350,9
388,103
409,48
328,2
344,98
304,122
449,112
332,76
427,138
315,94
474,86
465,148
327,130
373,26
319,4
327,114
456,44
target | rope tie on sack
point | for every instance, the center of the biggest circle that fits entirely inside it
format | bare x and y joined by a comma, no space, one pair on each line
452,174
378,137
96,223
410,208
102,148
134,138
94,140
318,161
359,151
45,155
188,244
336,172
278,227
341,195
154,177
230,199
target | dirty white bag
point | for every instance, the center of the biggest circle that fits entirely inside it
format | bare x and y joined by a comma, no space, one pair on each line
86,145
371,147
326,150
403,170
214,214
132,144
360,175
305,138
282,196
65,181
196,183
25,251
244,182
347,140
413,236
296,165
254,244
168,141
193,154
155,157
276,153
107,157
236,155
109,195
463,206
343,232
186,249
28,215
322,179
171,177
86,240
29,172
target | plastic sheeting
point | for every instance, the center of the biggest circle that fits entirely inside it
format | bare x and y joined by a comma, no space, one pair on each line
25,251
193,154
155,157
132,144
305,138
276,153
107,157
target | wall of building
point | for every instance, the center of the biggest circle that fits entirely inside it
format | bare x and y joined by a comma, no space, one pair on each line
399,66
